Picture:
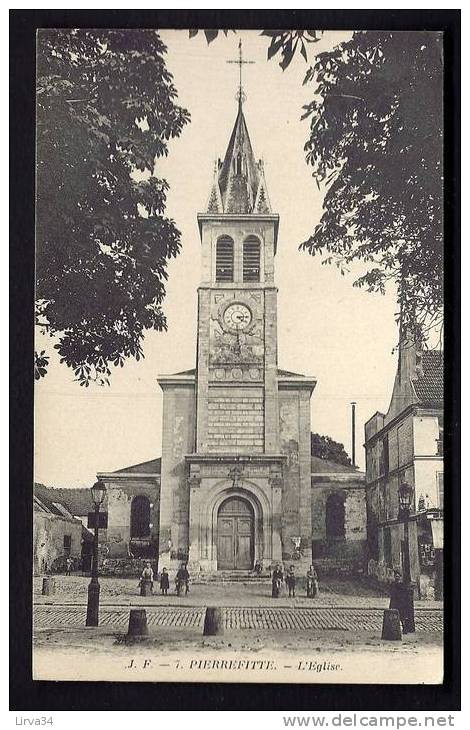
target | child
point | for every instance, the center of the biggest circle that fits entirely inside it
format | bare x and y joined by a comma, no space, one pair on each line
164,582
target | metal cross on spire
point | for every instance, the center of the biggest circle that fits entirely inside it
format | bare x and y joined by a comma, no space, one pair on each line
241,96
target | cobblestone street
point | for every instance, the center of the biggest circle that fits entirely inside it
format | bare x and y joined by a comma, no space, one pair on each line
318,618
124,592
341,624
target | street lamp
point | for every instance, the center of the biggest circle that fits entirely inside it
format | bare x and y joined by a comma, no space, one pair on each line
405,495
98,493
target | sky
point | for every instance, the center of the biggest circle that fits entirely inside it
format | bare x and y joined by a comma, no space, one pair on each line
343,336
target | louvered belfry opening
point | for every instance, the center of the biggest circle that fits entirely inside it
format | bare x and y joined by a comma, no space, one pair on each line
224,259
251,259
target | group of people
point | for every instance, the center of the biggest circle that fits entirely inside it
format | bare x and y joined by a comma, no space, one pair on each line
181,580
290,580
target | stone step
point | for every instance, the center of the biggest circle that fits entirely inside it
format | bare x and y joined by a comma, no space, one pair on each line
223,576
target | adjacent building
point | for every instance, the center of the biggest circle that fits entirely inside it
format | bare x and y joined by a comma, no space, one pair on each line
406,445
57,534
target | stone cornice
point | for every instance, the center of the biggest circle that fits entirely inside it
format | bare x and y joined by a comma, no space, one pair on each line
289,382
124,476
166,381
239,459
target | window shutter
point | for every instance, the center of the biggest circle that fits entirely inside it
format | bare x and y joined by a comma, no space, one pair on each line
224,259
251,259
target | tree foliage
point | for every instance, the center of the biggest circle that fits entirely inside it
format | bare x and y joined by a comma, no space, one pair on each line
325,447
106,111
283,42
376,145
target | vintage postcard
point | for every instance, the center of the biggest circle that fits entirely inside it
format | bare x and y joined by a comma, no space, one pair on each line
239,367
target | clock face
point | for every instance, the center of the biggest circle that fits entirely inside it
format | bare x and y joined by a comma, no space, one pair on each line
237,316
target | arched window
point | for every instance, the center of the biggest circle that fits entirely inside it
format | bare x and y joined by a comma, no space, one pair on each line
140,516
251,259
334,516
224,259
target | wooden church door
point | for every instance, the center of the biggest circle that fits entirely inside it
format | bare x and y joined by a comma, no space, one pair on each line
235,535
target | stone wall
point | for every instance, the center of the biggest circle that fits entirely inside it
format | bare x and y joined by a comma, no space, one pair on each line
294,437
348,553
179,413
118,505
48,539
235,420
127,567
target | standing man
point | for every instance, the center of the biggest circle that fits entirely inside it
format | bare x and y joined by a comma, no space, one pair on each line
277,579
312,582
182,579
397,598
290,580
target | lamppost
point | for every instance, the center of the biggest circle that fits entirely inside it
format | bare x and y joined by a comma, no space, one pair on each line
405,494
98,493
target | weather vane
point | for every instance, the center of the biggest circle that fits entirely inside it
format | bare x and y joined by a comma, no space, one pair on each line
241,96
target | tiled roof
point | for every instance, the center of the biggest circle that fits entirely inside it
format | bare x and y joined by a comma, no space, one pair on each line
429,385
77,501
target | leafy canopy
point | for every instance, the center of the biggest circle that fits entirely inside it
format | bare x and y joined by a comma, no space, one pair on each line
376,144
324,447
106,111
283,42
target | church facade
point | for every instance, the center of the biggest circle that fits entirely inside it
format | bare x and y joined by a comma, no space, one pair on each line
234,486
235,482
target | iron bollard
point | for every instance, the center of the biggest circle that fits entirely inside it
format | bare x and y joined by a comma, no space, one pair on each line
213,622
137,622
48,586
391,626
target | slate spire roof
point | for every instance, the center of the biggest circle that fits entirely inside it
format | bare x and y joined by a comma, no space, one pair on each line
429,382
239,186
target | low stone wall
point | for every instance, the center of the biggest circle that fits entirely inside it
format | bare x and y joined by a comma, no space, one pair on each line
381,576
125,567
340,557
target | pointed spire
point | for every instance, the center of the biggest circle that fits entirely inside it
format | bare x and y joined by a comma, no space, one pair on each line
239,186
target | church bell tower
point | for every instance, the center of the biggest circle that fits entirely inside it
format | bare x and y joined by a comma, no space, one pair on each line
235,471
237,409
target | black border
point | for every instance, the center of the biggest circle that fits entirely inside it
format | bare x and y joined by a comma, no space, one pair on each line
48,696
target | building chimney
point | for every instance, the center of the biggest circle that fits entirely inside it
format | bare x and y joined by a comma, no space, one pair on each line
353,433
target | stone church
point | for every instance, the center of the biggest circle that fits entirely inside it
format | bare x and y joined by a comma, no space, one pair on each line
236,483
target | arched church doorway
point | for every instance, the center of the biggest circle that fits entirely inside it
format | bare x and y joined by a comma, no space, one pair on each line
235,535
